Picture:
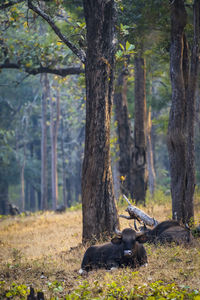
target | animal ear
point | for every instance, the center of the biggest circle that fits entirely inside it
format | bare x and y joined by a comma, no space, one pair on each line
141,238
116,240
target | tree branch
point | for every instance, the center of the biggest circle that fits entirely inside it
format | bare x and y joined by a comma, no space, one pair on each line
10,3
79,53
34,71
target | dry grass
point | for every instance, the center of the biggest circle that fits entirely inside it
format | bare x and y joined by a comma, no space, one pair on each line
39,249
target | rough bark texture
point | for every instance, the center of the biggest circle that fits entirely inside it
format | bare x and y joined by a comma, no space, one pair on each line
190,110
99,209
181,122
140,144
124,134
176,130
44,82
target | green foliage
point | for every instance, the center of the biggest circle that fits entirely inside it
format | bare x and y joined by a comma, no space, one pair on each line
55,287
126,50
14,292
114,290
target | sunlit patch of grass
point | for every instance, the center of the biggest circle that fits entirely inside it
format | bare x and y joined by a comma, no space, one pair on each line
44,250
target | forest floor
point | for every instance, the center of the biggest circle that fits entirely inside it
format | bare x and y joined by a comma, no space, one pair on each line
44,251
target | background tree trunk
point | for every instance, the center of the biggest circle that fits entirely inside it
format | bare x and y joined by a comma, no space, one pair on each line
99,209
54,117
63,164
45,86
150,161
124,134
140,143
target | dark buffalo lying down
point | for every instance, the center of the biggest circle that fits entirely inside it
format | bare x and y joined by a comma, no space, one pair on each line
167,231
122,251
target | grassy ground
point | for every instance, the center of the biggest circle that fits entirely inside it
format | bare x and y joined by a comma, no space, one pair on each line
45,251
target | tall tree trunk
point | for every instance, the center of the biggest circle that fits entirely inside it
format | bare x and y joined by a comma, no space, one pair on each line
190,110
54,116
182,115
124,134
140,142
45,86
150,161
177,126
63,164
99,208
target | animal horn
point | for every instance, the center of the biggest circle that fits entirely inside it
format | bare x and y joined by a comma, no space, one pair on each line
144,224
118,232
135,225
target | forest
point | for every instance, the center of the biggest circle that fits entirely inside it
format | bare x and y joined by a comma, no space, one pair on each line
98,99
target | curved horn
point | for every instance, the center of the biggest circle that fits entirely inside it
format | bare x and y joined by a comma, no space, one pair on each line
145,227
118,232
135,225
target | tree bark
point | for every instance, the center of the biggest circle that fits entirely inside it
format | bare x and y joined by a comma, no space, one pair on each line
177,126
190,111
124,135
140,142
99,208
45,86
182,115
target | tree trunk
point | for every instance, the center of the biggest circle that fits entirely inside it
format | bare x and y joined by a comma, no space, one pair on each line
150,161
177,126
99,209
63,164
190,110
45,86
140,144
182,115
124,135
54,116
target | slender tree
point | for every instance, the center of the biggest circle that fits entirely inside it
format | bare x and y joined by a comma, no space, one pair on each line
44,82
54,123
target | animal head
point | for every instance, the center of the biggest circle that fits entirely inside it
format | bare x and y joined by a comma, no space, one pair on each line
127,239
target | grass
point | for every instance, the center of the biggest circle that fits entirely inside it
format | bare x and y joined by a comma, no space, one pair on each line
45,251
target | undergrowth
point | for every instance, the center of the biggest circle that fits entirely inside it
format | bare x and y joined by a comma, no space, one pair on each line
102,290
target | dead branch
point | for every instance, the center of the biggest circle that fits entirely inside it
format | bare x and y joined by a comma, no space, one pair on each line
138,214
